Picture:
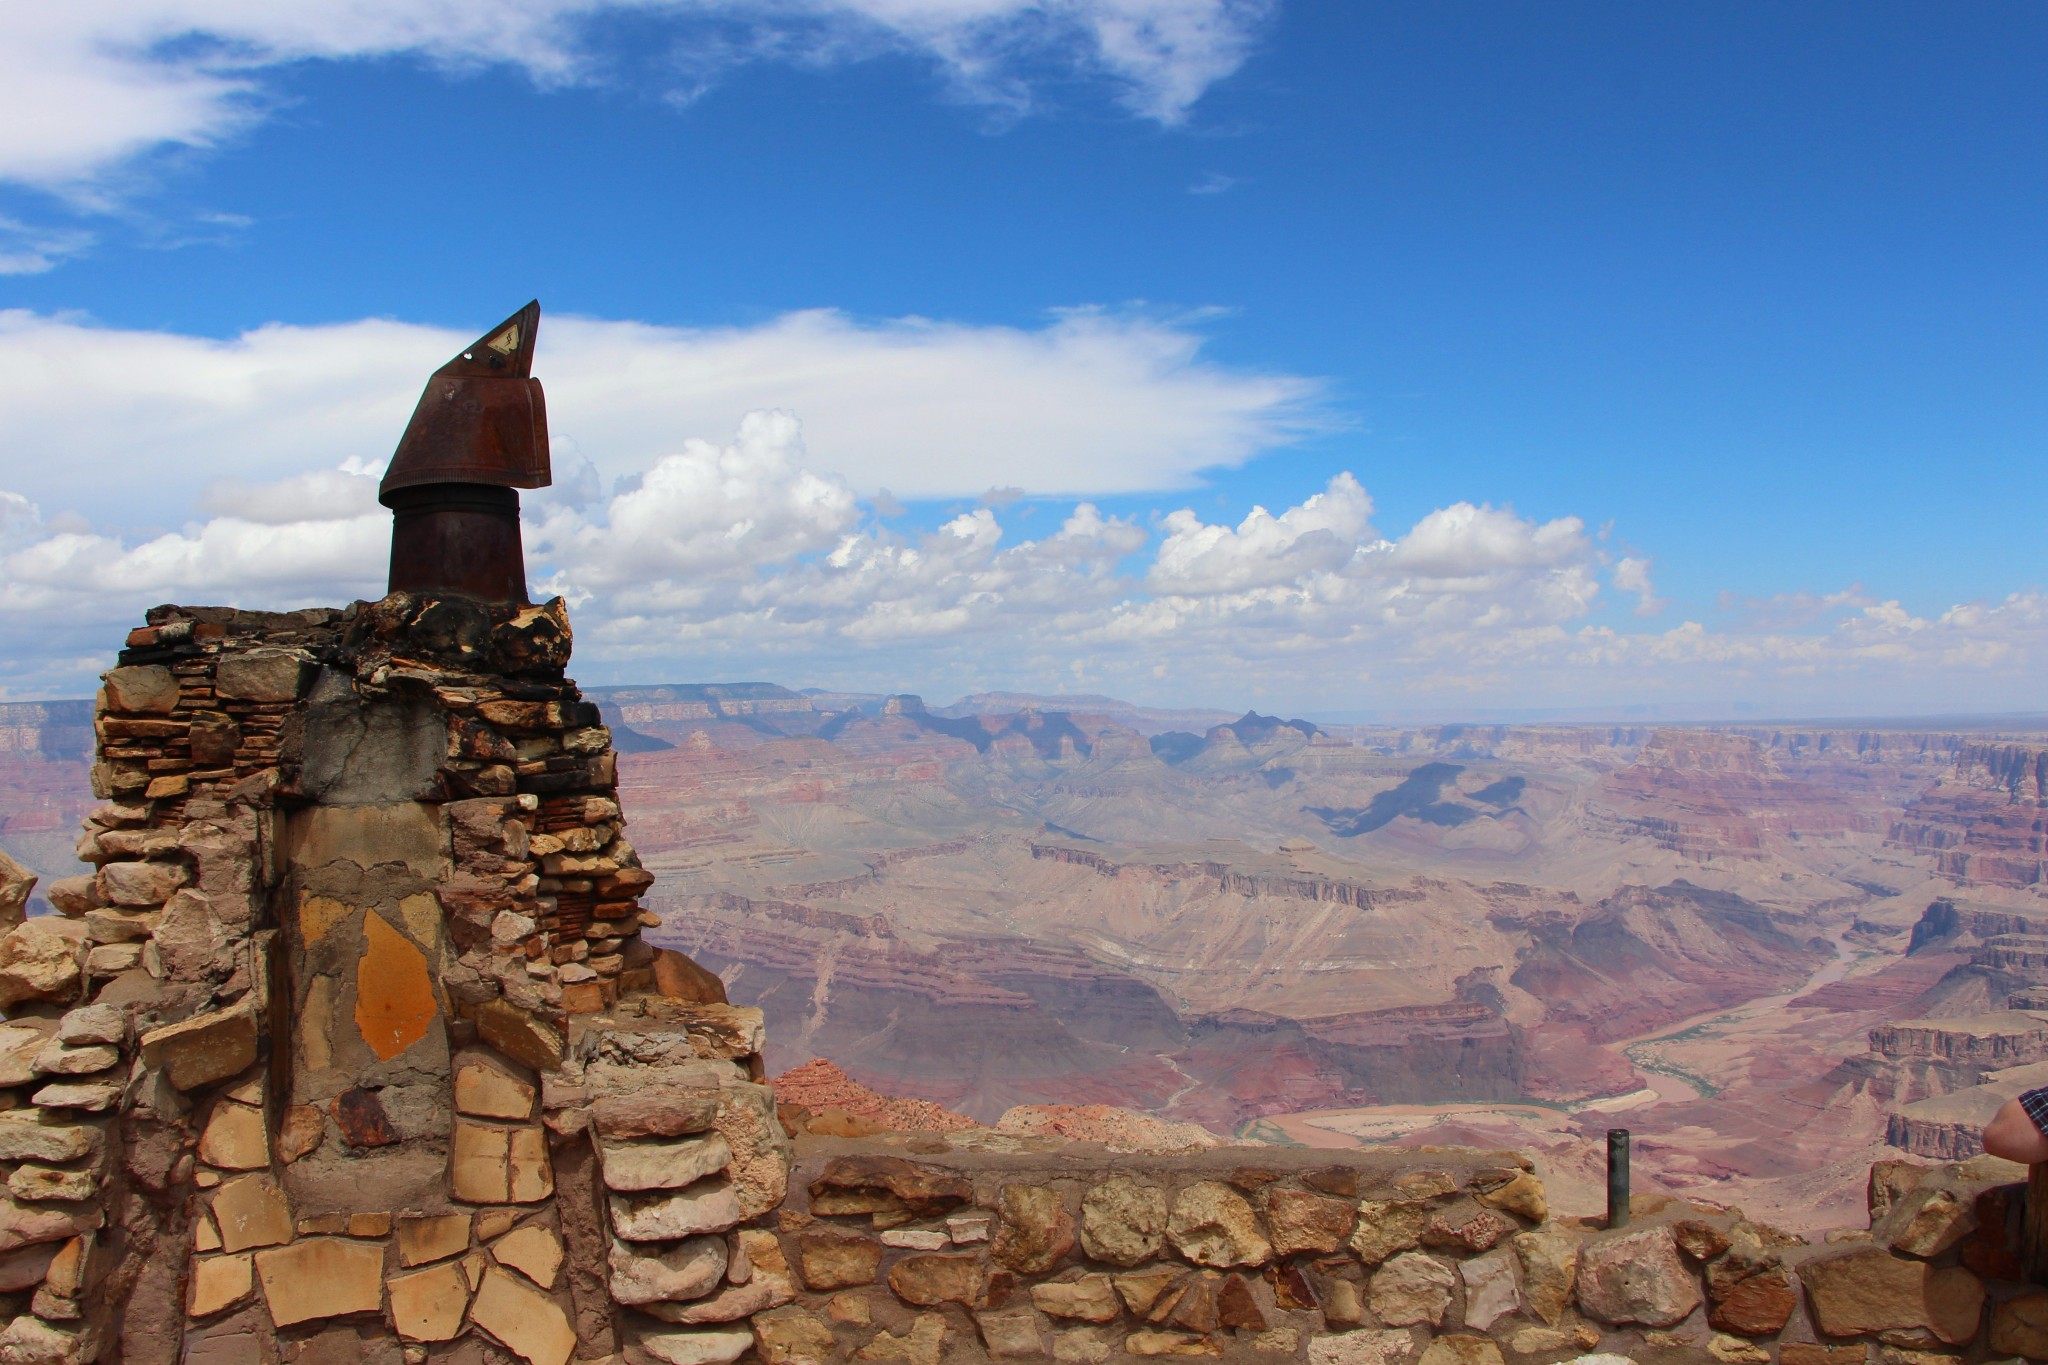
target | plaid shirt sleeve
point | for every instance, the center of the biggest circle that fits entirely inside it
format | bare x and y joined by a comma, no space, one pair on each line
2035,1102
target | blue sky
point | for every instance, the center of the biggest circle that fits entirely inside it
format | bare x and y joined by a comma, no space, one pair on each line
1724,320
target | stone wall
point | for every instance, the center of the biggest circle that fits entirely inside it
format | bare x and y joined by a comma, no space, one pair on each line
351,1050
976,1245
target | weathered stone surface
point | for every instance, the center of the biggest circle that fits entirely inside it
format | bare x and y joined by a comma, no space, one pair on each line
26,1135
251,1211
916,1239
656,1112
29,1341
1460,1348
534,1251
92,1096
236,1139
761,1151
395,1000
18,1050
728,1305
1362,1348
1749,1292
1871,1290
831,1260
360,1118
1699,1239
524,1320
632,1167
1237,1307
432,1237
887,1184
31,1224
1082,1346
489,1165
928,1281
1011,1334
1491,1289
665,1217
1388,1226
921,1345
690,1269
1466,1228
300,1133
138,884
1123,1221
519,1035
1212,1224
1302,1222
321,1277
92,1024
261,675
205,1048
1927,1221
1141,1290
428,1305
1147,1343
1091,1298
1189,1304
1413,1287
25,1267
1636,1278
1035,1230
719,1346
1735,1351
1343,1303
37,963
1810,1353
791,1336
489,1088
141,690
1522,1196
75,897
42,1184
2019,1326
219,1283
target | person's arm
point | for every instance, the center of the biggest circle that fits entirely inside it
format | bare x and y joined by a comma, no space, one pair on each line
2015,1130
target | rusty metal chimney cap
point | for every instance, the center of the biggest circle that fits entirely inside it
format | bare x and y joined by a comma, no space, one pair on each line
482,418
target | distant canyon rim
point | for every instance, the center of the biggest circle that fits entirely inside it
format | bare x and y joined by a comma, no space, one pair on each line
1775,953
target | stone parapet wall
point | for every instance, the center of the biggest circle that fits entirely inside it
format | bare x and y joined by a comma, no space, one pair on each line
973,1246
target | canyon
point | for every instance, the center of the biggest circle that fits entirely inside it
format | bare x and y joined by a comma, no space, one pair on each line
1775,953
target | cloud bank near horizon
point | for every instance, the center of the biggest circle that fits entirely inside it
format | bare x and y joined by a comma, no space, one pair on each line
776,552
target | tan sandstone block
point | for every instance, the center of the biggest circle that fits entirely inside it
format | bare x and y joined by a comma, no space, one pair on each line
323,1277
534,1251
236,1139
428,1305
252,1211
205,1048
219,1282
432,1237
492,1091
524,1320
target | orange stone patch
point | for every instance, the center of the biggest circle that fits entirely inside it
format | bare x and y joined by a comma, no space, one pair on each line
394,994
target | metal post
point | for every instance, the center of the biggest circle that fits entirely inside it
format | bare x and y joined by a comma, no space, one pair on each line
1617,1177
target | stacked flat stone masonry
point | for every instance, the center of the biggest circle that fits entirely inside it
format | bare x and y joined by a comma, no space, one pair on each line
975,1246
326,1060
